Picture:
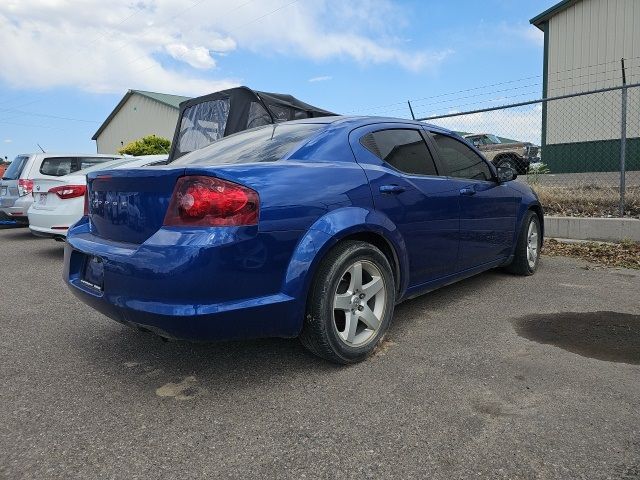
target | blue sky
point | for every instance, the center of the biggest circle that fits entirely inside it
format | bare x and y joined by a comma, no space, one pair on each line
63,68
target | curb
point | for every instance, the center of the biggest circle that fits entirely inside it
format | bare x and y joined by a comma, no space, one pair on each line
585,228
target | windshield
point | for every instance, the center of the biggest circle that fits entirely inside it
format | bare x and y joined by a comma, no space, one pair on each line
493,139
15,168
262,144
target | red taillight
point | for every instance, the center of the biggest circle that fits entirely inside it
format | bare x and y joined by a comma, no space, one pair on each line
25,186
69,191
211,202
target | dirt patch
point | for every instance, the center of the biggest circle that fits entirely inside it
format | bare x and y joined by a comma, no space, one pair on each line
587,201
183,390
609,336
625,254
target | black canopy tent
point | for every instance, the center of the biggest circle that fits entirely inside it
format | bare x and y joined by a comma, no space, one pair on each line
203,120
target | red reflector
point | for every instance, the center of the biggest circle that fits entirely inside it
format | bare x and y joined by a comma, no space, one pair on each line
59,228
16,214
69,191
211,202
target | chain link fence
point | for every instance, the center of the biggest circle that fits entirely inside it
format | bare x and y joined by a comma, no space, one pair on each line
580,152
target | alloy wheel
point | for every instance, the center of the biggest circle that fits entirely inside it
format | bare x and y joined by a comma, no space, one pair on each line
359,303
533,244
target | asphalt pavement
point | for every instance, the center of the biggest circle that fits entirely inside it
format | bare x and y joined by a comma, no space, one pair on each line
471,382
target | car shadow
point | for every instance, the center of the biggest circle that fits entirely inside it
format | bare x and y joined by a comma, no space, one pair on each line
20,234
142,357
53,251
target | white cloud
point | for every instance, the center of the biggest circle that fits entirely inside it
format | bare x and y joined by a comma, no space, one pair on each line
197,57
7,140
168,45
322,78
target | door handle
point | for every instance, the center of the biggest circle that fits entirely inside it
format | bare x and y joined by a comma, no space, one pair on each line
467,191
391,189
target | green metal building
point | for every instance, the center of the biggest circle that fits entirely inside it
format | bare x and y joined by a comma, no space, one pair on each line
584,41
137,115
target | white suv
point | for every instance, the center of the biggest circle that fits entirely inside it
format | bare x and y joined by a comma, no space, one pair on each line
16,185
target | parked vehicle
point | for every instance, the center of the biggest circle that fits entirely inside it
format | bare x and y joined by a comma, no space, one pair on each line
16,185
313,228
59,203
503,152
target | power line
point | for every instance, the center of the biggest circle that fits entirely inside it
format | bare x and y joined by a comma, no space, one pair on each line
498,84
34,114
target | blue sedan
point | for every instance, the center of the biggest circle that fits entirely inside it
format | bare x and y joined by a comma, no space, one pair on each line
314,228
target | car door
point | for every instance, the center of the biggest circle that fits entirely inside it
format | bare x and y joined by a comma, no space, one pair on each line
407,188
487,208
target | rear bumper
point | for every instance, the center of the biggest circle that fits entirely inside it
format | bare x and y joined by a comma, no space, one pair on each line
47,232
184,285
50,222
17,209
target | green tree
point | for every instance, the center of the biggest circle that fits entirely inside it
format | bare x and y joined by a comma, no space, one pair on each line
149,145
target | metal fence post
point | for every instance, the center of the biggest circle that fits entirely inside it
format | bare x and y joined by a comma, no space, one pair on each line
623,149
623,139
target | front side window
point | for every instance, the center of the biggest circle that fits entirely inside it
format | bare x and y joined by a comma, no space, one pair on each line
263,144
403,149
492,140
461,161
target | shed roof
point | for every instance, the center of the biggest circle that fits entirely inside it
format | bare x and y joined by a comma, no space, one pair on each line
538,20
172,101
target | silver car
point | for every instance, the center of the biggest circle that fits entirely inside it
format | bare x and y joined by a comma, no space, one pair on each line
17,182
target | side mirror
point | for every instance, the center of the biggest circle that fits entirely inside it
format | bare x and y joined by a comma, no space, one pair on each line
506,174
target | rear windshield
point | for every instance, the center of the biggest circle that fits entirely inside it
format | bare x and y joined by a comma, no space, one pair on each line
59,166
15,169
263,144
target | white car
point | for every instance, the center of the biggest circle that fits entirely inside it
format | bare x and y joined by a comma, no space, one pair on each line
59,203
16,185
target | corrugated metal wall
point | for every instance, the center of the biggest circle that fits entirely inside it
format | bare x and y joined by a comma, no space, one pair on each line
586,43
138,117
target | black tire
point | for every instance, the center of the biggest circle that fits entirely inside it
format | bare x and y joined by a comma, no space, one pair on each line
520,264
319,332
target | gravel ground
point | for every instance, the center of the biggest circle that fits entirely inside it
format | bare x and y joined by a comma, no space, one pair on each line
454,392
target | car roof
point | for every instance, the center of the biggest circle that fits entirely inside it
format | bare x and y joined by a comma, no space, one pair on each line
89,155
360,121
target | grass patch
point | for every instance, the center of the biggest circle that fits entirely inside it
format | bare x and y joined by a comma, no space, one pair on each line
625,254
587,201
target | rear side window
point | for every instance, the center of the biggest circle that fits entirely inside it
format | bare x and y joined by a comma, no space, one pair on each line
262,144
15,169
59,166
258,116
403,149
461,161
56,167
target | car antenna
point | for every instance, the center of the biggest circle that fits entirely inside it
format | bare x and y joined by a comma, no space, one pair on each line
411,109
41,148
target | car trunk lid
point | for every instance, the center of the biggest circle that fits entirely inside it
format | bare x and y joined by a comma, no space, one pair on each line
44,199
129,205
